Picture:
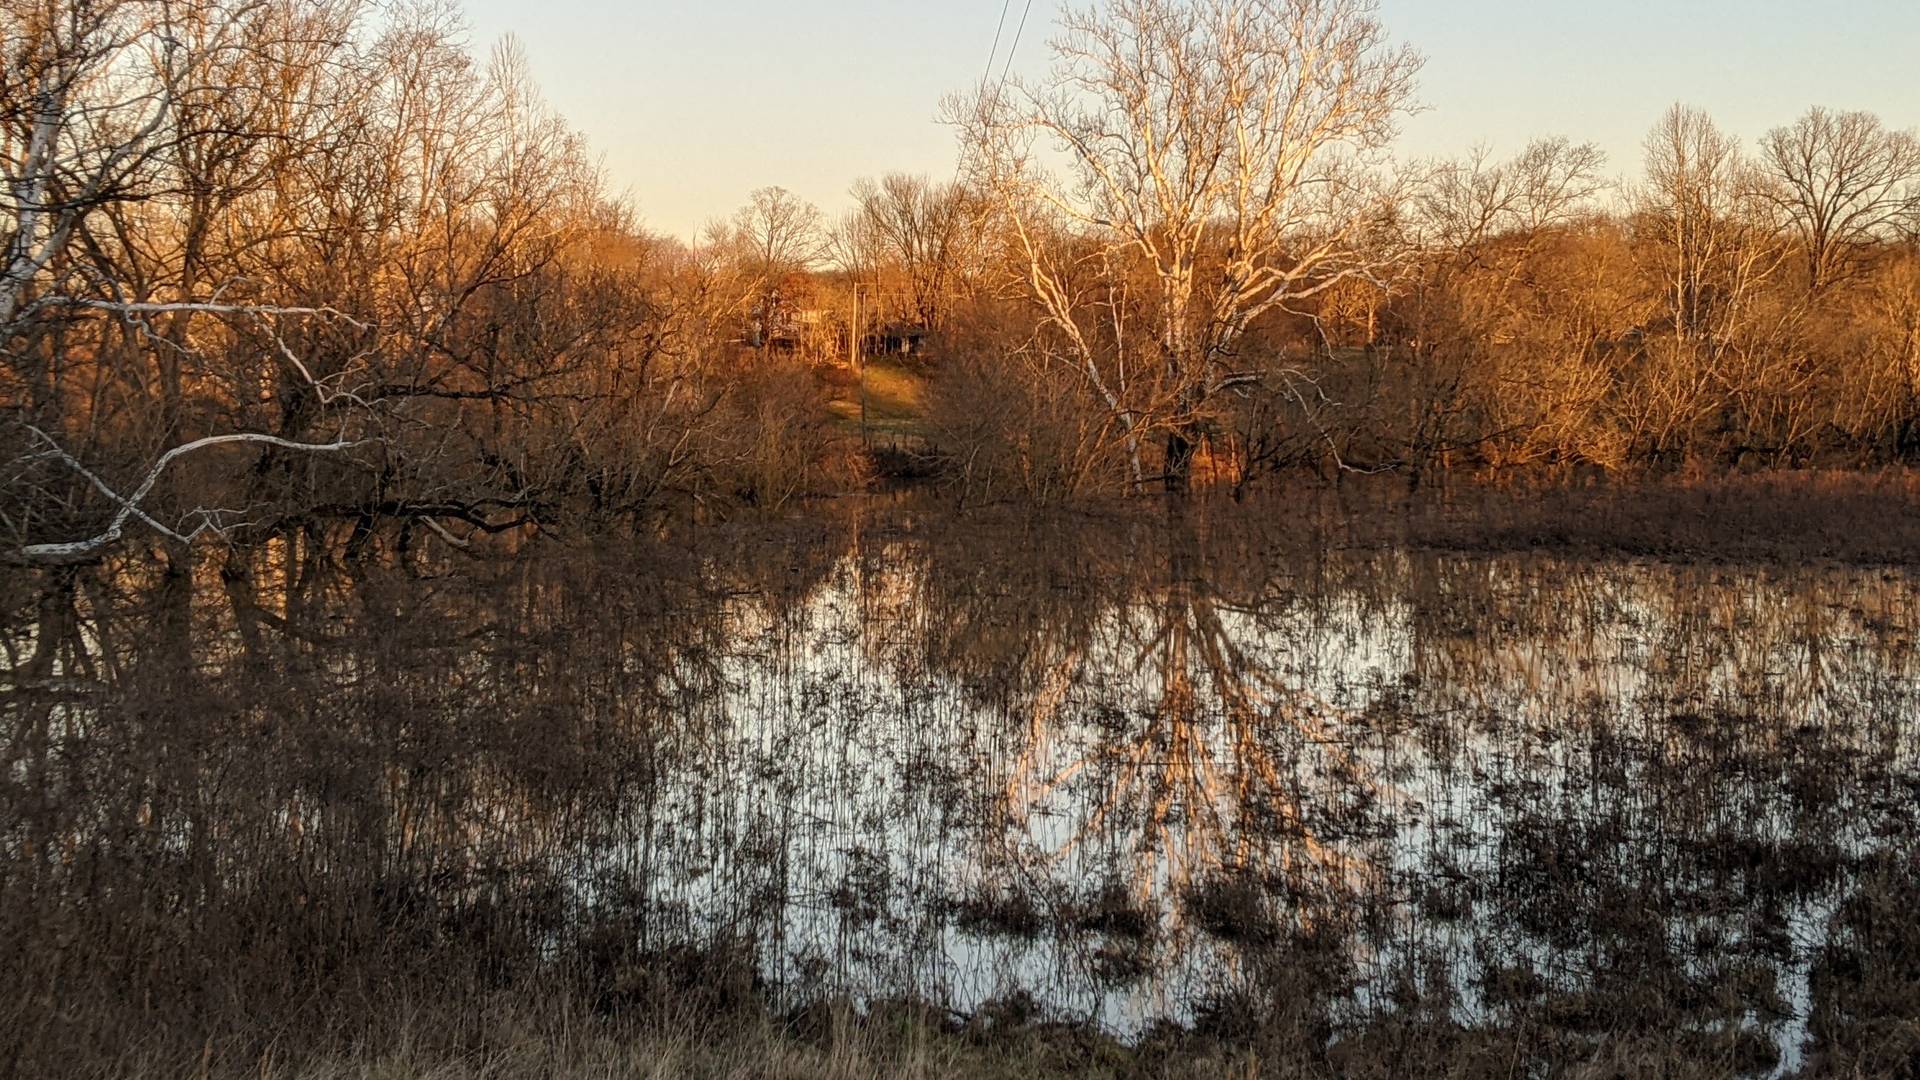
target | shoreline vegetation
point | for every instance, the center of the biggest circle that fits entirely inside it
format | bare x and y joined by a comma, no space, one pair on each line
1795,519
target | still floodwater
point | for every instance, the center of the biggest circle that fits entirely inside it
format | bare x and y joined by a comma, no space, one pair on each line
1129,772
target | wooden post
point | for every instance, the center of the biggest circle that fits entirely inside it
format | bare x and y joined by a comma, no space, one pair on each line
859,360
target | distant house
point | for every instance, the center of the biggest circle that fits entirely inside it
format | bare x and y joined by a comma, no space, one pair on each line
807,329
897,338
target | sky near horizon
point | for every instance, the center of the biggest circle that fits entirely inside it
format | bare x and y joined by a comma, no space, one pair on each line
691,106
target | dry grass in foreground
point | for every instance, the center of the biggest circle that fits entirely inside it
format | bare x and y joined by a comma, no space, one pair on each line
896,1042
536,1036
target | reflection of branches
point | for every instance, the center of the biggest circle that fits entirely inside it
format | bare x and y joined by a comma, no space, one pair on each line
1054,684
1211,754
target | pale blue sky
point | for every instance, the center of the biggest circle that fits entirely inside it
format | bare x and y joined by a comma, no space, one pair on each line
693,104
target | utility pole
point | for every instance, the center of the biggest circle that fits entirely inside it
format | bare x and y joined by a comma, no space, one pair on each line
857,357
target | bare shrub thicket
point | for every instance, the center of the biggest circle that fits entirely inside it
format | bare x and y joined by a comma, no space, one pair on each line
1012,421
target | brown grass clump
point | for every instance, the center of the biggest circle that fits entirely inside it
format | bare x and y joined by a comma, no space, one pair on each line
1839,517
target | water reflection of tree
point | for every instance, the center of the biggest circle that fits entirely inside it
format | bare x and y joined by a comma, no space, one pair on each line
1150,708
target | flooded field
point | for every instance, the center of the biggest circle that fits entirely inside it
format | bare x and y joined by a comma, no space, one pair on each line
1150,777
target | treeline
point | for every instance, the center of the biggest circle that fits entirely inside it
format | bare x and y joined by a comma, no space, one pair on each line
1725,310
1712,315
310,264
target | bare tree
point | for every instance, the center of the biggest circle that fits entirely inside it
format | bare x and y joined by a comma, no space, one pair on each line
1711,244
125,126
1845,182
1476,370
1700,207
1218,143
775,236
274,265
1468,203
86,94
928,230
781,232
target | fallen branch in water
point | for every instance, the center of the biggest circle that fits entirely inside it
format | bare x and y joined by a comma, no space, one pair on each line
130,507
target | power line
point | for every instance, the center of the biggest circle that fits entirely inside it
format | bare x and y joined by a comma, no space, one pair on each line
995,51
1015,47
987,75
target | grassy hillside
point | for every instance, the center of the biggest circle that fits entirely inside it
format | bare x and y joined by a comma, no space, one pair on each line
896,393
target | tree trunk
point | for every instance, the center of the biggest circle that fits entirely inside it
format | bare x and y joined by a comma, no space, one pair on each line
1178,474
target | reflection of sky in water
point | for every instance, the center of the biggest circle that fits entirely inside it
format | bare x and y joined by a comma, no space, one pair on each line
843,793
